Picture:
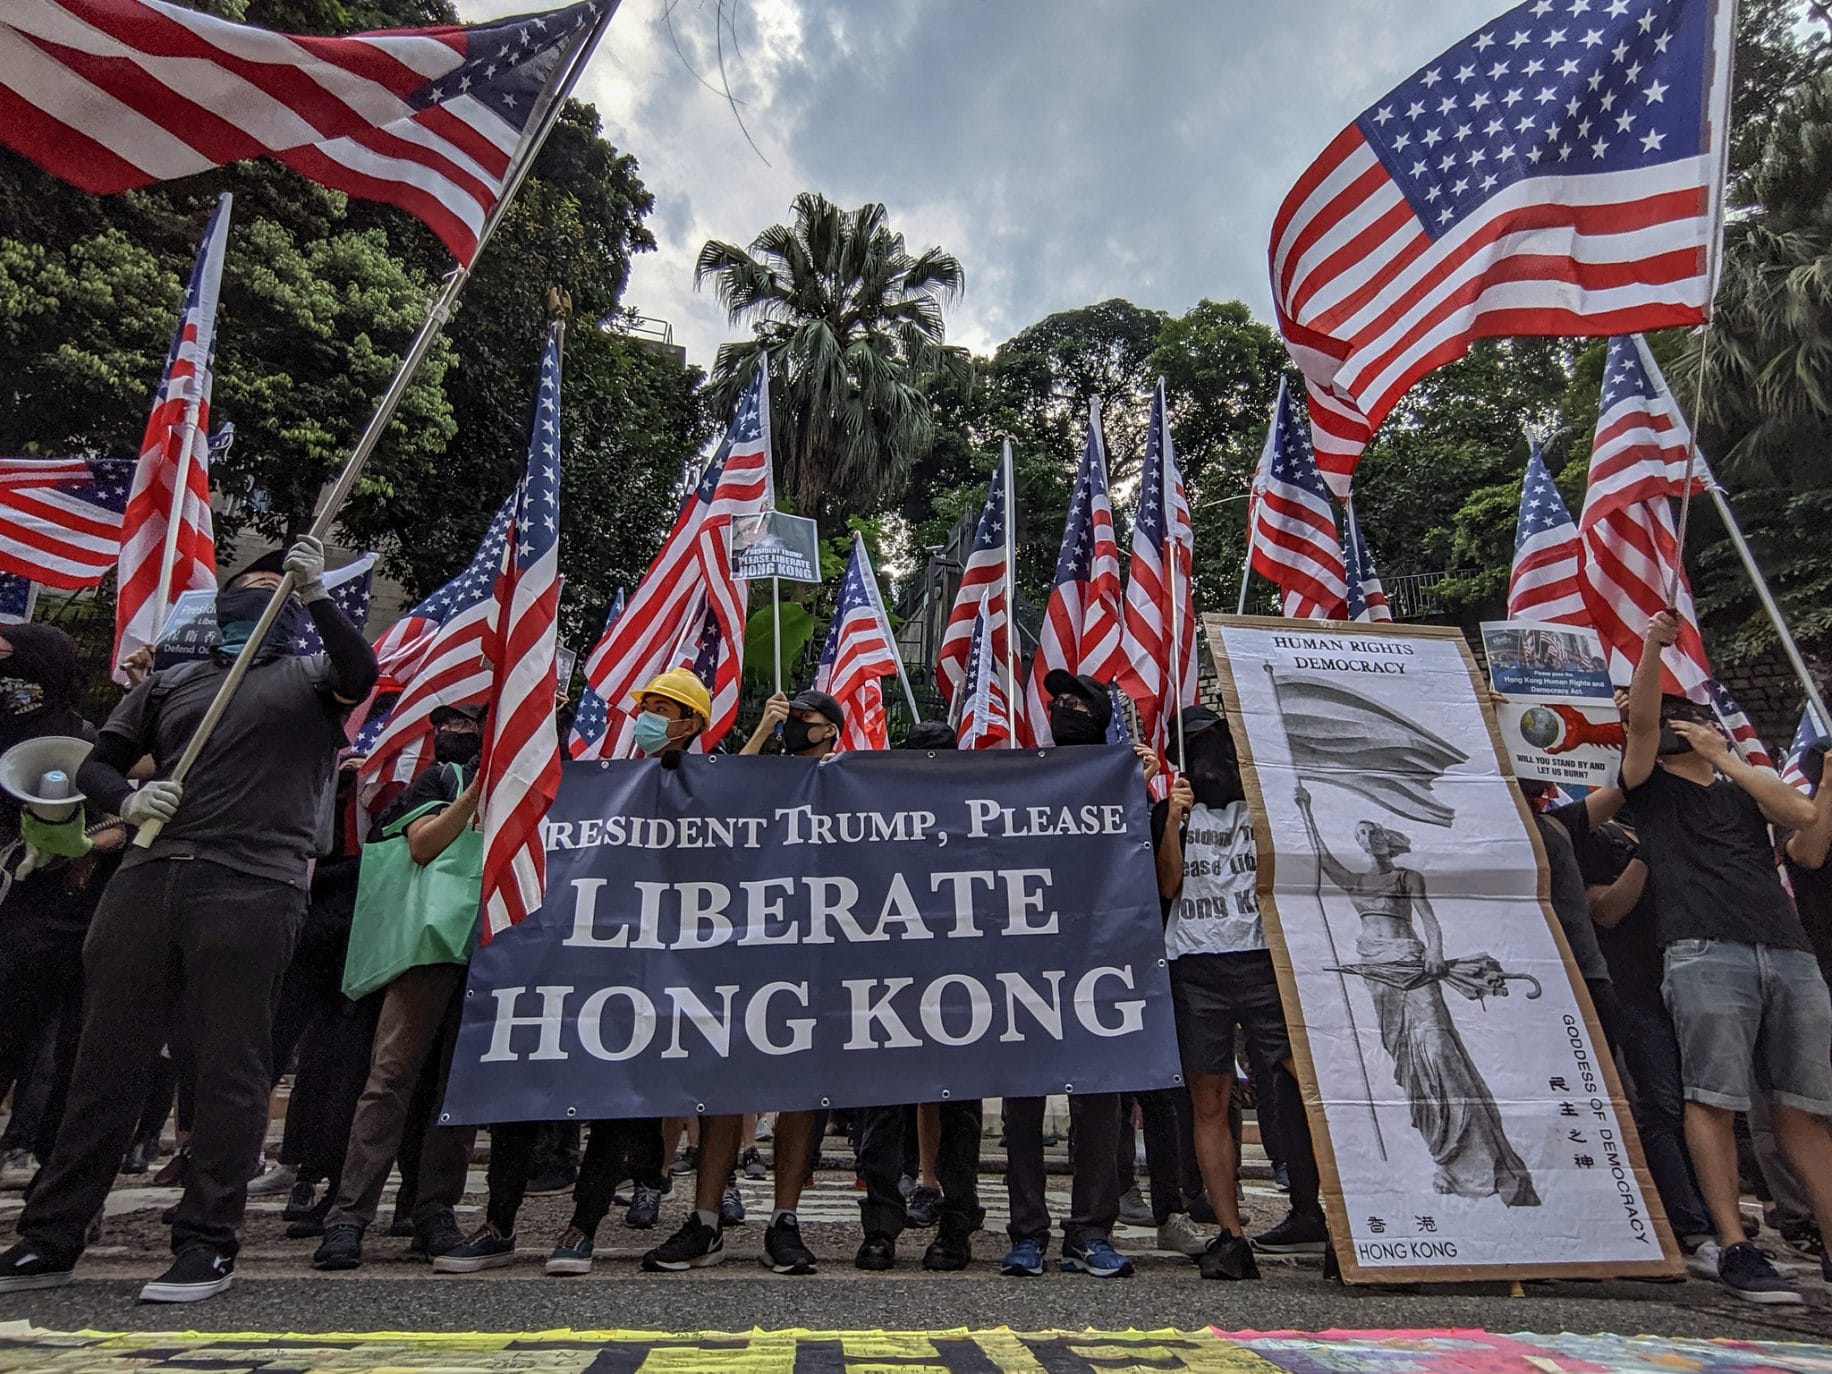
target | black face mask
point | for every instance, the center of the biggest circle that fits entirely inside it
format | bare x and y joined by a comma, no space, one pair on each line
1214,768
1670,742
796,735
457,746
1075,727
238,610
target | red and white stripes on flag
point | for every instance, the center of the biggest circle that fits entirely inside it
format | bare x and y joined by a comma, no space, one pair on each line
860,653
1292,539
114,94
172,479
520,768
980,716
984,582
60,518
1744,737
1158,588
1081,625
1546,583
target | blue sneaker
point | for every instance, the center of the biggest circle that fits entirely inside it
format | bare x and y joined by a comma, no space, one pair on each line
1024,1261
1096,1257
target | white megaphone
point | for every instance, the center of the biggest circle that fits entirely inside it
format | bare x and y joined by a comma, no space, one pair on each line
41,773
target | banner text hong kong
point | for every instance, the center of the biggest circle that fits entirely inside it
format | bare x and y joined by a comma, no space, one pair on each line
766,934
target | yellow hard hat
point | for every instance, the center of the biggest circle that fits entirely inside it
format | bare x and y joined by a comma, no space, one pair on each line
680,685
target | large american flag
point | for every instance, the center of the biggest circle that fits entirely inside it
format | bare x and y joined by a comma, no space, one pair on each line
1627,528
1806,735
60,518
1554,173
1158,581
591,720
1293,541
1081,625
1545,584
1367,599
983,582
174,444
669,607
520,769
980,713
859,654
114,94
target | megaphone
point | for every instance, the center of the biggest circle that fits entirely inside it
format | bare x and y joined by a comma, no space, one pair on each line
42,774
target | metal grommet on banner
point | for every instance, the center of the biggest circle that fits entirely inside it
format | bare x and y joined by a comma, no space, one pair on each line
571,1112
699,1108
1160,963
1177,1078
445,1118
1068,1087
826,1103
945,1094
606,764
1043,753
931,753
470,992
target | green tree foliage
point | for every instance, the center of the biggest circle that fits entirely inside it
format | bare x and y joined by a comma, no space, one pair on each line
851,323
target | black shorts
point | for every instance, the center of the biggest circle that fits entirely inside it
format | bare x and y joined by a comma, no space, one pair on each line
1214,993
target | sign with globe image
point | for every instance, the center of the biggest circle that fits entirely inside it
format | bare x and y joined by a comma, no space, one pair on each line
1558,718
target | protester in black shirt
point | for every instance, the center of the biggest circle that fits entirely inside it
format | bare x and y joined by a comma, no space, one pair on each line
1561,829
200,926
1748,1001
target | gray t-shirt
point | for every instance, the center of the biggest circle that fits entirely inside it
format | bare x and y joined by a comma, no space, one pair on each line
1559,829
258,796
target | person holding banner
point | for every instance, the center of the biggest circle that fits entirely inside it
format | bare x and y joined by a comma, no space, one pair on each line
199,926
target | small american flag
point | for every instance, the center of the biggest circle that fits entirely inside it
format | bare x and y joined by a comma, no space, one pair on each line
859,654
1081,625
717,654
1554,173
1806,735
520,769
114,94
1367,599
1158,581
979,716
1294,542
592,721
1545,584
1630,541
174,443
983,582
669,606
18,595
1743,736
60,518
350,587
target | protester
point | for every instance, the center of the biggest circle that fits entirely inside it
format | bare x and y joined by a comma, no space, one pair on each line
1562,828
418,1025
884,1211
1805,853
1748,1001
1221,976
199,927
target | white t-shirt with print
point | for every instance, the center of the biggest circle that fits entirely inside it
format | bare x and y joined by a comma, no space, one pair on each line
1217,912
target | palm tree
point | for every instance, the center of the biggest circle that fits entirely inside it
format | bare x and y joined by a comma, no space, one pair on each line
851,323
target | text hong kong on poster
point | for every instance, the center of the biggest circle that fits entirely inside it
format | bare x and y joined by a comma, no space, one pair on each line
759,934
1465,1116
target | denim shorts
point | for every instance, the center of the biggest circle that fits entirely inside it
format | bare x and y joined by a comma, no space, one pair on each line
1750,1018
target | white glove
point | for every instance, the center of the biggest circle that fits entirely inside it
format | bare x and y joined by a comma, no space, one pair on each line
152,801
305,561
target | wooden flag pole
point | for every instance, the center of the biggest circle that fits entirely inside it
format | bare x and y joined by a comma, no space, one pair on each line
436,315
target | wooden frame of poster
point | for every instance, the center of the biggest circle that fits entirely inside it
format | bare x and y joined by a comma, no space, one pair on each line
1667,1261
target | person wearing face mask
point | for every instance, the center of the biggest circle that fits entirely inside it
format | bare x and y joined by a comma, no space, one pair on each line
199,927
810,725
417,1027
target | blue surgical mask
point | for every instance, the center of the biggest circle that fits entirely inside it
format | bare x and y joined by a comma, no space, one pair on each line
652,732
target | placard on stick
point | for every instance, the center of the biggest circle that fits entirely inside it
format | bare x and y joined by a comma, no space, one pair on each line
773,544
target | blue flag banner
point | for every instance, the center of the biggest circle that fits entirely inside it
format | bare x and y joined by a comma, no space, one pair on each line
770,934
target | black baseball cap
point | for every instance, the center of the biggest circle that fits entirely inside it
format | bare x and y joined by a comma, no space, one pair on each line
1060,682
812,700
473,712
931,734
1194,720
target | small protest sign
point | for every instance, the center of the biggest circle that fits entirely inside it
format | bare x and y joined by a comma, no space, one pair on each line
1559,722
776,545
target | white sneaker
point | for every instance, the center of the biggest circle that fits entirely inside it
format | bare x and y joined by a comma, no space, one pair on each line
1702,1263
1181,1236
273,1178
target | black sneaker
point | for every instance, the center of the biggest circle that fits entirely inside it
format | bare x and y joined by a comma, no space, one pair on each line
645,1208
197,1273
1301,1233
551,1181
923,1205
686,1161
437,1235
487,1248
341,1248
783,1251
1228,1257
572,1254
302,1201
694,1246
752,1164
952,1249
1747,1273
400,1225
731,1206
26,1267
878,1253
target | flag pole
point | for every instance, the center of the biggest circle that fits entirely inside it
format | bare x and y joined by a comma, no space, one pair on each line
1011,599
1767,598
437,313
1166,496
776,628
1246,574
884,621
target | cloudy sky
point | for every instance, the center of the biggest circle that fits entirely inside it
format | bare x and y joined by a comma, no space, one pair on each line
1066,151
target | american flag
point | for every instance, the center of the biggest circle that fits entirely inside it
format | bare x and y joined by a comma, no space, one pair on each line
1158,582
1081,624
979,715
1554,173
1806,735
591,721
1630,540
1367,599
1737,725
1338,434
983,581
716,655
18,595
520,769
1545,584
174,443
859,654
60,518
114,94
669,604
350,587
1293,541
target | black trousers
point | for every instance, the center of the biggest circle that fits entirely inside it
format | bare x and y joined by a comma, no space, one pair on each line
174,942
1170,1159
1094,1126
629,1148
886,1137
41,995
333,1070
